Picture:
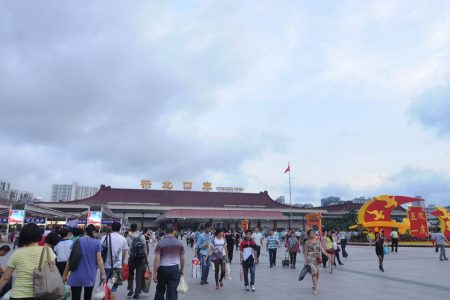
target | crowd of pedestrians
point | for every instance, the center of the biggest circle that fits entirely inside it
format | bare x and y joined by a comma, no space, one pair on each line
79,254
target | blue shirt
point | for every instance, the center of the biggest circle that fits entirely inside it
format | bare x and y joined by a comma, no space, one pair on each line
203,239
86,271
272,242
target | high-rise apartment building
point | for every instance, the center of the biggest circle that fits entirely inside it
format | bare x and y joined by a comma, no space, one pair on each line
74,191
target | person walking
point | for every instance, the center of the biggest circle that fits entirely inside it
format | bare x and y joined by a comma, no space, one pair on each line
24,261
237,238
343,238
329,250
83,277
117,248
322,240
203,244
230,245
293,247
168,265
219,257
137,260
271,246
394,240
247,260
379,243
336,248
312,255
62,250
440,242
257,237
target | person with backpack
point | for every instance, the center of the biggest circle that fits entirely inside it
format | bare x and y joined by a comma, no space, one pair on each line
137,260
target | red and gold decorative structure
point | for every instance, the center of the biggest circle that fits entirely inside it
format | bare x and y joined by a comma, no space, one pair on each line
444,219
418,222
376,214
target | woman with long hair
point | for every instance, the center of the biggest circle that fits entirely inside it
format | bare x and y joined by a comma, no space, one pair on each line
379,243
84,275
329,250
219,257
313,258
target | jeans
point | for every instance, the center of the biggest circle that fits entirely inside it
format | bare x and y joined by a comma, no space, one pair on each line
442,252
218,265
394,244
293,258
273,256
168,280
205,266
138,266
252,274
343,245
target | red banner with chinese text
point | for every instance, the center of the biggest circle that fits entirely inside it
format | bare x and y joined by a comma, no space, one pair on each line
418,221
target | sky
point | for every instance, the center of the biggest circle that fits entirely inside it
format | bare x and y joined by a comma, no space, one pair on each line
354,94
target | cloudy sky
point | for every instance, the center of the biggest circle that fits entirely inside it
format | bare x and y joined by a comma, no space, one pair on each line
355,94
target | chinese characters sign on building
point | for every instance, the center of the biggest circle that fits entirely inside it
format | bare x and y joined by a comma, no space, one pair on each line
146,184
418,221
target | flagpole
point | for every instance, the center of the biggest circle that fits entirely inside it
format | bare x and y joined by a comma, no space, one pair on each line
290,196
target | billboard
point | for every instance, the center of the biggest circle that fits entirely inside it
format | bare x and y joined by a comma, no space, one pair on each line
95,218
16,216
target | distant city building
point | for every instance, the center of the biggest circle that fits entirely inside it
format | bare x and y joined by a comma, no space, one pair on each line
5,189
419,203
281,200
20,196
303,205
74,191
14,195
331,200
360,200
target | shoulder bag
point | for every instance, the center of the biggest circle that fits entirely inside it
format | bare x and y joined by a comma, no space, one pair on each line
47,282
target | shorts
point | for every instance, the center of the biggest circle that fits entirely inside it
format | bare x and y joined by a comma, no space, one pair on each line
114,273
330,251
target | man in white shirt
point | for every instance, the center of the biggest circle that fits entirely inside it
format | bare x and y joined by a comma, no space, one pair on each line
117,247
257,237
343,237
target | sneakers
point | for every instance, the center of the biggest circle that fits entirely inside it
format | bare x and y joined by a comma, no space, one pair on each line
221,284
253,288
217,287
130,293
247,288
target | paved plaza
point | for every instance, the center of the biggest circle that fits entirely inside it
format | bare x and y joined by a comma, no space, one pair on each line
413,273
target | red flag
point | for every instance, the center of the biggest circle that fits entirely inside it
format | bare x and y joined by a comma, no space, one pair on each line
288,169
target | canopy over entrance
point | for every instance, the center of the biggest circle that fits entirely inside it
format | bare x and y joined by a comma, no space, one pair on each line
181,213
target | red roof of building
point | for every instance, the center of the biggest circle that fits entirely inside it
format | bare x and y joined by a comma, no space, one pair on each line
222,214
108,195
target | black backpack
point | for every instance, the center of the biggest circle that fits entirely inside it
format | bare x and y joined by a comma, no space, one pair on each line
137,248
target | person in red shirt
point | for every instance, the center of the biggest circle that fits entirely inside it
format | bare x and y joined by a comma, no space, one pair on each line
248,249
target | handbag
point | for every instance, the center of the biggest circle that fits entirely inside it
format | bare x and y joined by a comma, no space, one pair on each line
182,286
47,282
319,258
306,269
146,280
385,249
